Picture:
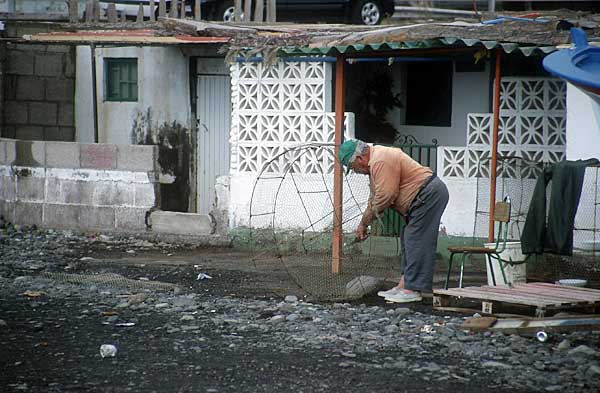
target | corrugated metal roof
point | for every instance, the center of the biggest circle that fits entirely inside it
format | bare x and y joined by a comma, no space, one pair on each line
445,42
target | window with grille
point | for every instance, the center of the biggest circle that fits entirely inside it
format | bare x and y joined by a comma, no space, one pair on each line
121,79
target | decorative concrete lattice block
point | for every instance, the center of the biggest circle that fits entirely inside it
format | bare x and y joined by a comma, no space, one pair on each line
532,125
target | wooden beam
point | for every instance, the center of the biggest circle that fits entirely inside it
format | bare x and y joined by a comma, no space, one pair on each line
140,13
340,96
89,11
96,9
494,161
162,8
111,13
259,11
173,9
271,11
248,10
194,28
237,4
73,11
197,10
152,11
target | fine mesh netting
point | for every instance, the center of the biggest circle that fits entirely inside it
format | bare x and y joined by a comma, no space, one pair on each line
111,280
516,179
292,211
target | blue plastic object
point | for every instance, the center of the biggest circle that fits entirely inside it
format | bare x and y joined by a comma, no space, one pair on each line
580,65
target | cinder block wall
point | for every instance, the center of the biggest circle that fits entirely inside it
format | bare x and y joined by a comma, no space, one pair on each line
90,187
39,88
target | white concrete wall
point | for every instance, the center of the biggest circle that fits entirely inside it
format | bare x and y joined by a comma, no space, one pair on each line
163,86
583,124
471,94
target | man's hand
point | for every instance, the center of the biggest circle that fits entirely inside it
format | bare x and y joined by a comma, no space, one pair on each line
361,232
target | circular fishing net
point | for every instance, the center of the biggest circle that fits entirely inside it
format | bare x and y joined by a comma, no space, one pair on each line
292,214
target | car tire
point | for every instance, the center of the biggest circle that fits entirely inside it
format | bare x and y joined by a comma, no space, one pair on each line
367,12
225,12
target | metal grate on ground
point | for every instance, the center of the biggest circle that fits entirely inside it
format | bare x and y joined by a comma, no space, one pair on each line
112,280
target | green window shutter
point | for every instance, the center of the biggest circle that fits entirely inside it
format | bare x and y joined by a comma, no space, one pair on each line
121,79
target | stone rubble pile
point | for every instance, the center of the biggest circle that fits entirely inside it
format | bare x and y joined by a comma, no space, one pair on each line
364,336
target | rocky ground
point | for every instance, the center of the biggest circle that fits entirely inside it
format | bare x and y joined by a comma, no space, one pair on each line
245,329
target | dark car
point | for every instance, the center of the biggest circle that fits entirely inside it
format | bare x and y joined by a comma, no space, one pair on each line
366,12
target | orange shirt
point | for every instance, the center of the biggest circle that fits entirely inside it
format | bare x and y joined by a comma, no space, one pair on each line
395,179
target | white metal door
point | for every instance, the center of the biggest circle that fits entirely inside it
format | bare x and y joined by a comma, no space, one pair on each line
214,115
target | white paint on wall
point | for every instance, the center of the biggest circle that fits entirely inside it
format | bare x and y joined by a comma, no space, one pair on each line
583,124
84,107
162,86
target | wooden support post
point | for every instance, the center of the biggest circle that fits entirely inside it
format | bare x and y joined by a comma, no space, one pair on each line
237,15
111,13
259,11
73,11
162,8
140,14
494,163
173,9
152,10
248,10
271,11
197,10
340,96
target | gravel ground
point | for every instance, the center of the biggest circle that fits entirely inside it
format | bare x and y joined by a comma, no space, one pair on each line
243,330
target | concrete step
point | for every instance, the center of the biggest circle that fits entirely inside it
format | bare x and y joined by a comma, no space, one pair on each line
176,223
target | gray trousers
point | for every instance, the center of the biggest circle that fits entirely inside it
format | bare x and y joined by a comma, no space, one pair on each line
419,237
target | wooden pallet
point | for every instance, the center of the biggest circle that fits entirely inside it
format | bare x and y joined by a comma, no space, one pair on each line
542,296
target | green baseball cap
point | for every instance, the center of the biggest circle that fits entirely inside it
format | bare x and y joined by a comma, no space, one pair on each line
346,151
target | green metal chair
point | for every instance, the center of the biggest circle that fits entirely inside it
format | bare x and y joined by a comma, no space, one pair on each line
502,217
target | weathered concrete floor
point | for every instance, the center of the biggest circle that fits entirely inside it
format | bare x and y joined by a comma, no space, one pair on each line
236,333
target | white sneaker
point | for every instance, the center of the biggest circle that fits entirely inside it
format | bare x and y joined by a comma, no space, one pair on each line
402,296
389,292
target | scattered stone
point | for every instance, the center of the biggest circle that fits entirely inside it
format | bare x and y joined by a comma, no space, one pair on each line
564,345
291,299
494,364
362,285
582,350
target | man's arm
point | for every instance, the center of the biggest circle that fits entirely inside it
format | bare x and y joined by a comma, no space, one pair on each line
384,184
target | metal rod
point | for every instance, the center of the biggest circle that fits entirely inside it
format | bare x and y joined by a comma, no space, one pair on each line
258,59
396,59
340,95
434,10
494,146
